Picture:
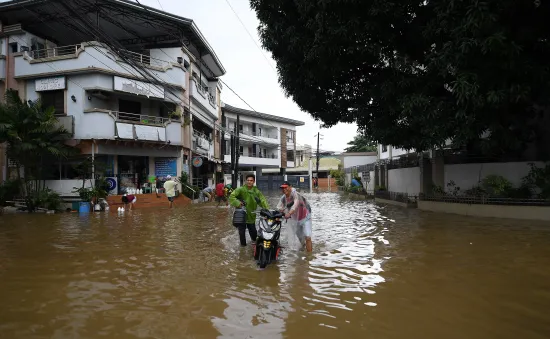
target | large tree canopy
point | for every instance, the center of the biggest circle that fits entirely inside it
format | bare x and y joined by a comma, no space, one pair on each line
414,73
361,143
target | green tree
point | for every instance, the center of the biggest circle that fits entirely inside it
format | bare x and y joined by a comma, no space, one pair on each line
413,73
361,143
33,140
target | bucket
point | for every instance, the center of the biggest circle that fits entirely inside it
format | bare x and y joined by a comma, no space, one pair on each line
239,217
84,207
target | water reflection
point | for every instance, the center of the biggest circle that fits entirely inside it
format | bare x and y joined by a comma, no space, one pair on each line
375,272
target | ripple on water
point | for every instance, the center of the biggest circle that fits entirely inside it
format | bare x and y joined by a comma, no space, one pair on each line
375,272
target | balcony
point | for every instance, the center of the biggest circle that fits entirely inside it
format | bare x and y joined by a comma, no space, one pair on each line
255,137
106,124
94,57
203,145
204,98
253,159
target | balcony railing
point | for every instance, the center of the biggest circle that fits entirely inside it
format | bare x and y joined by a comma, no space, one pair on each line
145,59
205,92
141,118
73,49
257,134
54,52
257,155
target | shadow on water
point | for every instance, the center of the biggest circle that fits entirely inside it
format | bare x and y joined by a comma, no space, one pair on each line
375,272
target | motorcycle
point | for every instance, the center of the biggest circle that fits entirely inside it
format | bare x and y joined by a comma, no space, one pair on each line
267,247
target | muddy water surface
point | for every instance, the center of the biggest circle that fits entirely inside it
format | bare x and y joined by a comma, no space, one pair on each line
376,272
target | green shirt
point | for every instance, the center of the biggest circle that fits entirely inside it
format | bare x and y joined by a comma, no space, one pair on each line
249,196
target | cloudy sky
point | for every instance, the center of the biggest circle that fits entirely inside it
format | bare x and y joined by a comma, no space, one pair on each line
250,69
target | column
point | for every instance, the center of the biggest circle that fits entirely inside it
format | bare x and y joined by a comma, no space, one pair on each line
425,175
438,169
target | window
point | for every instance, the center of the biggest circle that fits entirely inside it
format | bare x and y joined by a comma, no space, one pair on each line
55,99
241,150
384,148
13,47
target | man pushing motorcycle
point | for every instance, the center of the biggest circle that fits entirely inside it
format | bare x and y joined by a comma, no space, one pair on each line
298,209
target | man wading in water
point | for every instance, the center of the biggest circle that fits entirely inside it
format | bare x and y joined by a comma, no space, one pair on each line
298,209
252,197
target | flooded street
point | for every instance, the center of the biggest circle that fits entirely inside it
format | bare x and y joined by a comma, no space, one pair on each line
375,272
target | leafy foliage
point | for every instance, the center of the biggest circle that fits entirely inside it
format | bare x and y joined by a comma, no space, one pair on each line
414,73
34,139
361,143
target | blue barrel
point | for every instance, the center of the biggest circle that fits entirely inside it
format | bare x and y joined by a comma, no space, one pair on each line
84,207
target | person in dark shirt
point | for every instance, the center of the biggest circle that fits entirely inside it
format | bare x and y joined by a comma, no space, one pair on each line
129,200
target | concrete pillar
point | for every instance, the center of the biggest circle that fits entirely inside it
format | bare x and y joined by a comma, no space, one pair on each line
425,175
258,172
151,165
438,169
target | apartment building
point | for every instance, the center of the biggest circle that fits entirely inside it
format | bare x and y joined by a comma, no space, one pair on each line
266,141
145,100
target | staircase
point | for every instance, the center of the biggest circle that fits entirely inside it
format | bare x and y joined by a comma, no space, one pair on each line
148,200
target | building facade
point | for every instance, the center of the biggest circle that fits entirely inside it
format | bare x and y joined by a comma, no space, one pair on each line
145,101
265,140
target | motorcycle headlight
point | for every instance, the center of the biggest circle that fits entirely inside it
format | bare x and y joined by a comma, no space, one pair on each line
267,236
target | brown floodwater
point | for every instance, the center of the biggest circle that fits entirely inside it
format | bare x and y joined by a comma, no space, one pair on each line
375,272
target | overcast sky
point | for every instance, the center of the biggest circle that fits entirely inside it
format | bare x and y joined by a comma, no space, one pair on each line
249,74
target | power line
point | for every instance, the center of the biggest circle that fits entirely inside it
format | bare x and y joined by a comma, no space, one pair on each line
250,35
156,80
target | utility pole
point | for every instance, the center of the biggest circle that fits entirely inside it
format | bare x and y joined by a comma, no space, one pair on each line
318,156
232,167
237,149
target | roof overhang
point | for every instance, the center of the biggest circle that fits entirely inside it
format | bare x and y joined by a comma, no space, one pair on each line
236,110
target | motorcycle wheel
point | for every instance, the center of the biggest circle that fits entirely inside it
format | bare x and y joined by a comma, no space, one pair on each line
263,258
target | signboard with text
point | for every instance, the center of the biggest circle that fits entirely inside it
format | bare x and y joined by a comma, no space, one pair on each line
166,166
138,87
49,84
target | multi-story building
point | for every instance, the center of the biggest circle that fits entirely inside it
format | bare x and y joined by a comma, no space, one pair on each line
145,100
265,140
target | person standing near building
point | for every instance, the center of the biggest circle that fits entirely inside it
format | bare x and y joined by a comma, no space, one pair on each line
252,197
220,193
170,189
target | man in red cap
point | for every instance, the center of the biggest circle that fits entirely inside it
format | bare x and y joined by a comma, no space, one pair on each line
298,209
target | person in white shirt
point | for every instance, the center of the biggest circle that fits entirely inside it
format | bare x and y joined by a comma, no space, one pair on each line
170,189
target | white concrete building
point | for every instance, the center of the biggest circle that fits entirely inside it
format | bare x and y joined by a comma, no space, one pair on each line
148,109
266,141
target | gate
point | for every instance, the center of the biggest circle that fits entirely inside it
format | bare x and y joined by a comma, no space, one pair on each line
269,182
299,181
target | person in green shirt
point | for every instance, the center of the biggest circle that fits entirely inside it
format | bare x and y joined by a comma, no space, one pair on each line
252,197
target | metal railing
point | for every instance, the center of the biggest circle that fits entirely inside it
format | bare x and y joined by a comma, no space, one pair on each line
205,92
256,134
484,200
54,52
141,118
396,196
256,155
12,28
72,50
145,59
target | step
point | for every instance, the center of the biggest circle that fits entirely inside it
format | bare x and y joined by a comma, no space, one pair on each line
148,200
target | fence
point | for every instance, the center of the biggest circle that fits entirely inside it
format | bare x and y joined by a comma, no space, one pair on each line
396,196
484,200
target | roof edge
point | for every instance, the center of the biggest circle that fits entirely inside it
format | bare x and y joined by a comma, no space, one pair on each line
237,110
